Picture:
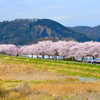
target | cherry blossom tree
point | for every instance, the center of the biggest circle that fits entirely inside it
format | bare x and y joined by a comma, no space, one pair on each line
9,49
24,50
42,47
12,49
48,48
78,51
65,47
53,50
93,49
3,48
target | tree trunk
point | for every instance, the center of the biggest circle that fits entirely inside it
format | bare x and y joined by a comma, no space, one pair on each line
49,56
64,57
55,57
72,58
82,59
93,57
43,56
17,55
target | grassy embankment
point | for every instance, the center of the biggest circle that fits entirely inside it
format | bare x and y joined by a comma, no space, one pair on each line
37,79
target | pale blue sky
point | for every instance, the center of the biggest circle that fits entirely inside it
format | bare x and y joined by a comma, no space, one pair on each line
66,12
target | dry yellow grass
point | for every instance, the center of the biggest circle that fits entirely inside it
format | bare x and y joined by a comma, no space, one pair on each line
79,91
28,72
61,89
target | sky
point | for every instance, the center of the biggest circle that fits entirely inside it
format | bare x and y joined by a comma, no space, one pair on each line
67,12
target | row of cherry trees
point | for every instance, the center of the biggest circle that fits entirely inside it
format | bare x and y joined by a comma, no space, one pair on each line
60,48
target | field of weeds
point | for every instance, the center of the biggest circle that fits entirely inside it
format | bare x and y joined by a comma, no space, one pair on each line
38,79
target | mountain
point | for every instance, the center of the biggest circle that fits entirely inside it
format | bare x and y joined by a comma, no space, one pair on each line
27,31
92,32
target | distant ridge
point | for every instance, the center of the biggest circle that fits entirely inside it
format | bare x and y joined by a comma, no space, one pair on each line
27,31
92,32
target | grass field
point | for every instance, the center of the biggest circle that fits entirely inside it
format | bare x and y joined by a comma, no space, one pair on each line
37,79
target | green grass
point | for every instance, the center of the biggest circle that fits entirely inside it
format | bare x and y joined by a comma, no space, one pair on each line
69,68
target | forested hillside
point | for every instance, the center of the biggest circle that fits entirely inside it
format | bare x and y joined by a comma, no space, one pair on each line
27,31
